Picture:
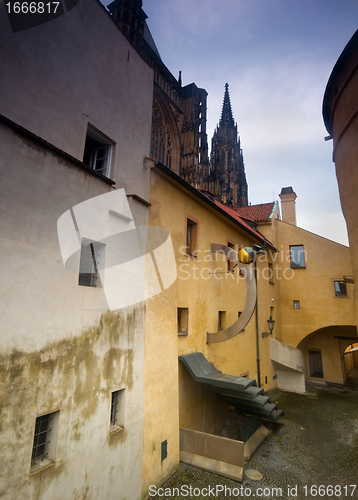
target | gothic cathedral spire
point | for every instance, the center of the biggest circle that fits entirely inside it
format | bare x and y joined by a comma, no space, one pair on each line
227,179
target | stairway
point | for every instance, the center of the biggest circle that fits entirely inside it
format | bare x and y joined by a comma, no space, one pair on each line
240,392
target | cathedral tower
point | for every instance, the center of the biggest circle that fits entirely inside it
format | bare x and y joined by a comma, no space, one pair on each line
227,179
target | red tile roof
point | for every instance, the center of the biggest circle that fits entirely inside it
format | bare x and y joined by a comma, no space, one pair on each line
236,216
256,213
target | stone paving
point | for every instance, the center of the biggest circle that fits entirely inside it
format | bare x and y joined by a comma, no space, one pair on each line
312,452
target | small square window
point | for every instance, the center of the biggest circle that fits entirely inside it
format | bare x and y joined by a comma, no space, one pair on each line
297,256
340,289
117,411
183,319
296,304
191,237
45,437
91,260
98,151
221,320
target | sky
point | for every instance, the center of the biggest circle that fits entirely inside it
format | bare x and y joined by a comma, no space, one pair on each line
276,56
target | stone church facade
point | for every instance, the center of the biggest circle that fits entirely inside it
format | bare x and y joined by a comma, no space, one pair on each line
179,139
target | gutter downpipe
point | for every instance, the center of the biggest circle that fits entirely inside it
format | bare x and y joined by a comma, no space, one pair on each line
257,330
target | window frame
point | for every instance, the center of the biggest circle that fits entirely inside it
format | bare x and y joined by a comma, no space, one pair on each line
293,264
90,151
191,234
183,321
45,458
340,295
95,255
117,408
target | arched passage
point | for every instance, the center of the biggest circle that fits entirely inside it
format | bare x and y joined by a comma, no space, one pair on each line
350,363
324,350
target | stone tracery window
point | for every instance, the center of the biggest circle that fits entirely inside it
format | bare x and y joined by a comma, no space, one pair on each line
161,143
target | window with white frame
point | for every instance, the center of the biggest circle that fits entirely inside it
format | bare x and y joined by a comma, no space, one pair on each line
98,151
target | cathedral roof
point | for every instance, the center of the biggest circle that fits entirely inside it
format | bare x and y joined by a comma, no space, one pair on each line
257,213
226,113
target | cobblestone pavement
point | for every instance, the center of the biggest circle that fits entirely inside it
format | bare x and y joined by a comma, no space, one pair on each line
314,444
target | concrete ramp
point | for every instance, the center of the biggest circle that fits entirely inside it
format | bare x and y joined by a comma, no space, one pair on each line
289,365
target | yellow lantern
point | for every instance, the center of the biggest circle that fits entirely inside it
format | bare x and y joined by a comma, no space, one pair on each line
246,255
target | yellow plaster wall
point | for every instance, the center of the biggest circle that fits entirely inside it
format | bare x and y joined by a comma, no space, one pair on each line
204,294
325,261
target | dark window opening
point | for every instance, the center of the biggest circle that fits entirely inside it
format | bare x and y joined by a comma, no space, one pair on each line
340,289
191,237
41,438
315,363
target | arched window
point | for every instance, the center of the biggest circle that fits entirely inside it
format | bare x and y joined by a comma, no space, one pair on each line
161,143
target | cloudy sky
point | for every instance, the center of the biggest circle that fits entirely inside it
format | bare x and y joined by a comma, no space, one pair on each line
277,56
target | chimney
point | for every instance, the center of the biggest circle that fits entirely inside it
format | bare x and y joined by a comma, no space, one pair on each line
288,205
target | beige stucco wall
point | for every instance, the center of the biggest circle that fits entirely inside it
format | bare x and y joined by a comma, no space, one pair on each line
79,69
61,349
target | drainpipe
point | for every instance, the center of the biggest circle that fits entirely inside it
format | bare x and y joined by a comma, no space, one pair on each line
257,331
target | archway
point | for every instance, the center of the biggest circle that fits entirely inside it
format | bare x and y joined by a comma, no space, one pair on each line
350,363
324,352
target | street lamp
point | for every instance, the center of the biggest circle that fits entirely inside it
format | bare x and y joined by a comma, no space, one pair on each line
271,324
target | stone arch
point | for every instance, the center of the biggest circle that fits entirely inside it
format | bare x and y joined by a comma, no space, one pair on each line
328,344
165,138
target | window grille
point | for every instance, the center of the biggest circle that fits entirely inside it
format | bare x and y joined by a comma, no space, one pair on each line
42,431
296,304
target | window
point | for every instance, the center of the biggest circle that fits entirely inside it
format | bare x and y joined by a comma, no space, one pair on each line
98,152
221,320
296,304
340,289
117,411
191,237
297,256
44,445
230,263
315,363
270,268
92,258
164,450
183,316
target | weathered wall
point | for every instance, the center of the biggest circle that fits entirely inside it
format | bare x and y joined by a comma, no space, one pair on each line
75,376
61,349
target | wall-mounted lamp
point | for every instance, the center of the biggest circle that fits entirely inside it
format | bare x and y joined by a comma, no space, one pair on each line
271,324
